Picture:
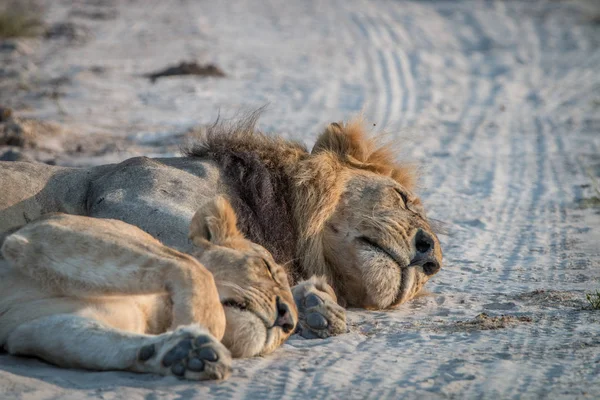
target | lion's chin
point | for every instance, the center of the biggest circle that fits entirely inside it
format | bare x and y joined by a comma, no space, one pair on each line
407,288
246,334
385,284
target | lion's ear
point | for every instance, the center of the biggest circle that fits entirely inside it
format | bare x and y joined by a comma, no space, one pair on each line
355,148
215,221
348,141
13,247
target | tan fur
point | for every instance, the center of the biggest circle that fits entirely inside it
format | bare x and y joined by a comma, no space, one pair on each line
314,211
245,274
349,186
351,144
216,220
109,283
346,184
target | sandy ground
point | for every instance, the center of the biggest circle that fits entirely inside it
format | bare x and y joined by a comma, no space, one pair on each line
498,101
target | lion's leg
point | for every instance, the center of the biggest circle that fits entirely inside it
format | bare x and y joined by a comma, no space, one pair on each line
71,341
88,257
319,314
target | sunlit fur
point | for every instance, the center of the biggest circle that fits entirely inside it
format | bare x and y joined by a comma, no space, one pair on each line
100,284
246,274
311,210
348,187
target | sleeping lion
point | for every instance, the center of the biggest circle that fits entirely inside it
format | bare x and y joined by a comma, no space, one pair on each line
104,295
346,210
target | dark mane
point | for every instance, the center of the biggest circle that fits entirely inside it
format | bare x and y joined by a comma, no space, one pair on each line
254,166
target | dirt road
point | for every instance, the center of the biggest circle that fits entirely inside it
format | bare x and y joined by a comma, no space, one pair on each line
499,102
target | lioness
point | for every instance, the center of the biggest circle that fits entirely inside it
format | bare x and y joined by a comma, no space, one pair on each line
102,294
345,211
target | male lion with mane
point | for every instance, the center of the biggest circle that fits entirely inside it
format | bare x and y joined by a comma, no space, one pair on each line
102,294
344,212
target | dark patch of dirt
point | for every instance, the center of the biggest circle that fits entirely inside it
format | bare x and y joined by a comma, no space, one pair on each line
485,322
187,68
13,47
24,139
13,154
69,31
95,13
552,299
364,328
25,133
20,18
5,114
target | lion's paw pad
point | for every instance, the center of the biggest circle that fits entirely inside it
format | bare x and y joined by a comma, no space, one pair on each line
188,355
316,321
319,315
312,300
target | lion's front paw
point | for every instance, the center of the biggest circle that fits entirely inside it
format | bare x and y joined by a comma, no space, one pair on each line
189,353
319,314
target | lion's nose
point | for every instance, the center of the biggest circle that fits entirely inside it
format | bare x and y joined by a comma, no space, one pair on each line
431,267
424,242
424,253
284,317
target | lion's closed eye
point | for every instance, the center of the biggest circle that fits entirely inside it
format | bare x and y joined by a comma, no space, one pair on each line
403,196
269,269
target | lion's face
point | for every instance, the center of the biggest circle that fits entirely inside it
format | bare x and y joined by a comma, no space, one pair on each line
375,239
380,237
253,288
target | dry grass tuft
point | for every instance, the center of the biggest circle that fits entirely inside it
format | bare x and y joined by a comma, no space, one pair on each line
20,19
594,299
